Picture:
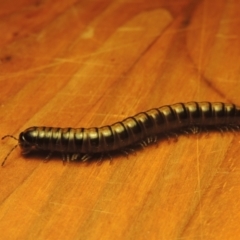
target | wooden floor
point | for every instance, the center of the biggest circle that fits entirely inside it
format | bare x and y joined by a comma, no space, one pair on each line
79,63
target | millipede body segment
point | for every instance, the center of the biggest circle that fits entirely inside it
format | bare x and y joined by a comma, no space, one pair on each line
130,131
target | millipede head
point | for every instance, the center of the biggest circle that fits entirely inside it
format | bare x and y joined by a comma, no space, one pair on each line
5,159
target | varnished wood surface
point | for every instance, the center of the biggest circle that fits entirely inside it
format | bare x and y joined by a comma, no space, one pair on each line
90,63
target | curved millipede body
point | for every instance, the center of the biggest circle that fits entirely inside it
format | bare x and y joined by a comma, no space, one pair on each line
130,131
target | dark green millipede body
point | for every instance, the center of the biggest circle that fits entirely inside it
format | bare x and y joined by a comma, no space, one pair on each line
130,131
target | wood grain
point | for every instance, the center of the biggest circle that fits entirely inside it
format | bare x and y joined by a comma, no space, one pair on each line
89,63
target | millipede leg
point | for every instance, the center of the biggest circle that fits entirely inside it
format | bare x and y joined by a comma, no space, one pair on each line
132,151
65,158
125,152
48,156
171,135
85,157
234,128
74,156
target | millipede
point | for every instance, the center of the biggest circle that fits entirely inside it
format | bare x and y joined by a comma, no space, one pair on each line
143,128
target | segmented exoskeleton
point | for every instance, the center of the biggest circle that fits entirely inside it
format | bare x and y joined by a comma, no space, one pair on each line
130,131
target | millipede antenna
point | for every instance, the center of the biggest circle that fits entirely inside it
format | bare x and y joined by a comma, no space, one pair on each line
5,159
